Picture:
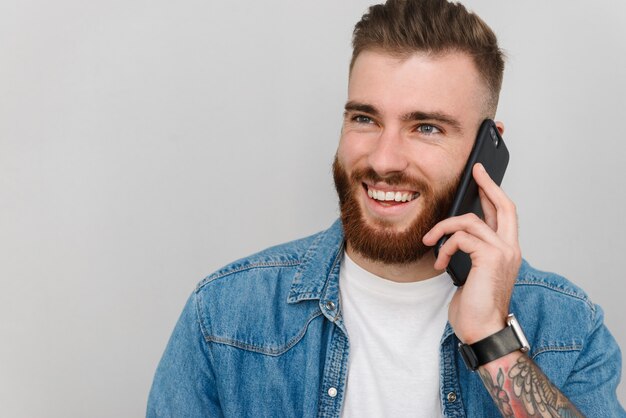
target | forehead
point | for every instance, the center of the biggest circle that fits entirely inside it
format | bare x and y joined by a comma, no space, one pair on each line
447,82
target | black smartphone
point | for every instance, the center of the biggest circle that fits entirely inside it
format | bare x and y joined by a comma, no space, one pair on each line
489,150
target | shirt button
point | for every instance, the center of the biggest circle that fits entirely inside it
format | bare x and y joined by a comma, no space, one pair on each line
330,305
332,392
451,397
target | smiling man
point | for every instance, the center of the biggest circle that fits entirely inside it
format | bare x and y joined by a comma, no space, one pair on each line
362,319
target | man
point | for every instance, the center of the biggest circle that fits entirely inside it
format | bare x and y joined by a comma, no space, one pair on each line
361,319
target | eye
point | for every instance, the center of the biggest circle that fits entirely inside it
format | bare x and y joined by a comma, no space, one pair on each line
428,129
362,119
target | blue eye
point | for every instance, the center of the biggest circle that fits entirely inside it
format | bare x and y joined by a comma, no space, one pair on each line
428,129
362,119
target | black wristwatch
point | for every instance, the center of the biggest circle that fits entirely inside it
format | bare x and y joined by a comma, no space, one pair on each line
498,345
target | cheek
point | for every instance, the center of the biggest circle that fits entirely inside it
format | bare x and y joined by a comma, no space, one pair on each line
437,165
459,159
353,149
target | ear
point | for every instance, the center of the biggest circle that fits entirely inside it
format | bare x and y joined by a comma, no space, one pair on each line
500,127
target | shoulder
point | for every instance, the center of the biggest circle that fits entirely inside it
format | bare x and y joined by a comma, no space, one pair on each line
284,256
284,263
568,338
260,276
246,304
531,281
556,314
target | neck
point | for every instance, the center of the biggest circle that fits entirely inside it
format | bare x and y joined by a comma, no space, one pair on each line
415,271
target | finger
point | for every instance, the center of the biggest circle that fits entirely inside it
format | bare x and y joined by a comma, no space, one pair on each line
460,240
489,210
506,214
469,223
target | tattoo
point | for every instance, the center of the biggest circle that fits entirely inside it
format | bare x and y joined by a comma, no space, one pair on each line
527,392
539,396
497,392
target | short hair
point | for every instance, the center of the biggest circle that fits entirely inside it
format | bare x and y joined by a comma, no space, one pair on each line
402,27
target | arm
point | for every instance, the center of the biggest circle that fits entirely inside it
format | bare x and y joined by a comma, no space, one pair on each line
184,384
520,389
479,308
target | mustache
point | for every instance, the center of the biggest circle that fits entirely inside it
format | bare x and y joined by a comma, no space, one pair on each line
392,179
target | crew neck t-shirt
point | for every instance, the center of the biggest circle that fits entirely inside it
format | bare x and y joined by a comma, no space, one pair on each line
394,330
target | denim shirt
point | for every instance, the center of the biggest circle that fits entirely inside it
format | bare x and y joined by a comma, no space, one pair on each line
264,337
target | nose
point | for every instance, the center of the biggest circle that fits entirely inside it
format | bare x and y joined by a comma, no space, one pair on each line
388,156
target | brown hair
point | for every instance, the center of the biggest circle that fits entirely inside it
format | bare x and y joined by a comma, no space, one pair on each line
402,27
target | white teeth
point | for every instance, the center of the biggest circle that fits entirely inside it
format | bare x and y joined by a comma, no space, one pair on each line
391,196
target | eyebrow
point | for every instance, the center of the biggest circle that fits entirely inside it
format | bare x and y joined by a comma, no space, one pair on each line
352,106
440,117
436,116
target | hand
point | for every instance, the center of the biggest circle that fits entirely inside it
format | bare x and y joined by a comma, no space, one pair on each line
479,308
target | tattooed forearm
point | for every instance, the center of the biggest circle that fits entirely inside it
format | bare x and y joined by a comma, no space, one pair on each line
497,392
520,389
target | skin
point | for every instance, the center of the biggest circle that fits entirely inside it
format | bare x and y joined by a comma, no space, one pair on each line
419,115
435,150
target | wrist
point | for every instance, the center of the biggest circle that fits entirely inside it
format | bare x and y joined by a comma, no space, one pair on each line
508,340
504,362
480,331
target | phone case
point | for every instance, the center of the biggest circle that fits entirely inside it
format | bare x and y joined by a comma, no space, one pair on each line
489,150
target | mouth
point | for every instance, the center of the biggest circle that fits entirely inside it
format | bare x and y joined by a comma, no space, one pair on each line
388,196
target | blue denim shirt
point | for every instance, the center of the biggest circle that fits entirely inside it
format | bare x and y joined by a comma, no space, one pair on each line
264,337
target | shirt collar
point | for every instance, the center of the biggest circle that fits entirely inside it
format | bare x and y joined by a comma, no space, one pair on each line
319,267
318,274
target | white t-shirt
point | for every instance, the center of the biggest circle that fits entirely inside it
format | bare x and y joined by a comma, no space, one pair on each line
395,331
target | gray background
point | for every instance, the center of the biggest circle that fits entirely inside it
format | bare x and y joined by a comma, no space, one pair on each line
144,144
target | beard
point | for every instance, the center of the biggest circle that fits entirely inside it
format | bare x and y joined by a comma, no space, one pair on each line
380,242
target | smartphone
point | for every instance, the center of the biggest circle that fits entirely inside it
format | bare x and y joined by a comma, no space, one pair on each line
489,150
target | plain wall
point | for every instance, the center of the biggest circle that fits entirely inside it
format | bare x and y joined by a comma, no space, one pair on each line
143,144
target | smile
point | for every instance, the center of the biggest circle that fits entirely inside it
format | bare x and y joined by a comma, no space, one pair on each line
390,195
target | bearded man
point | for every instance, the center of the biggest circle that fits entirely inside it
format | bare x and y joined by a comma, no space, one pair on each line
362,319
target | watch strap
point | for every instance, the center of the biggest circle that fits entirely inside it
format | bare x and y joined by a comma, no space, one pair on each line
491,348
